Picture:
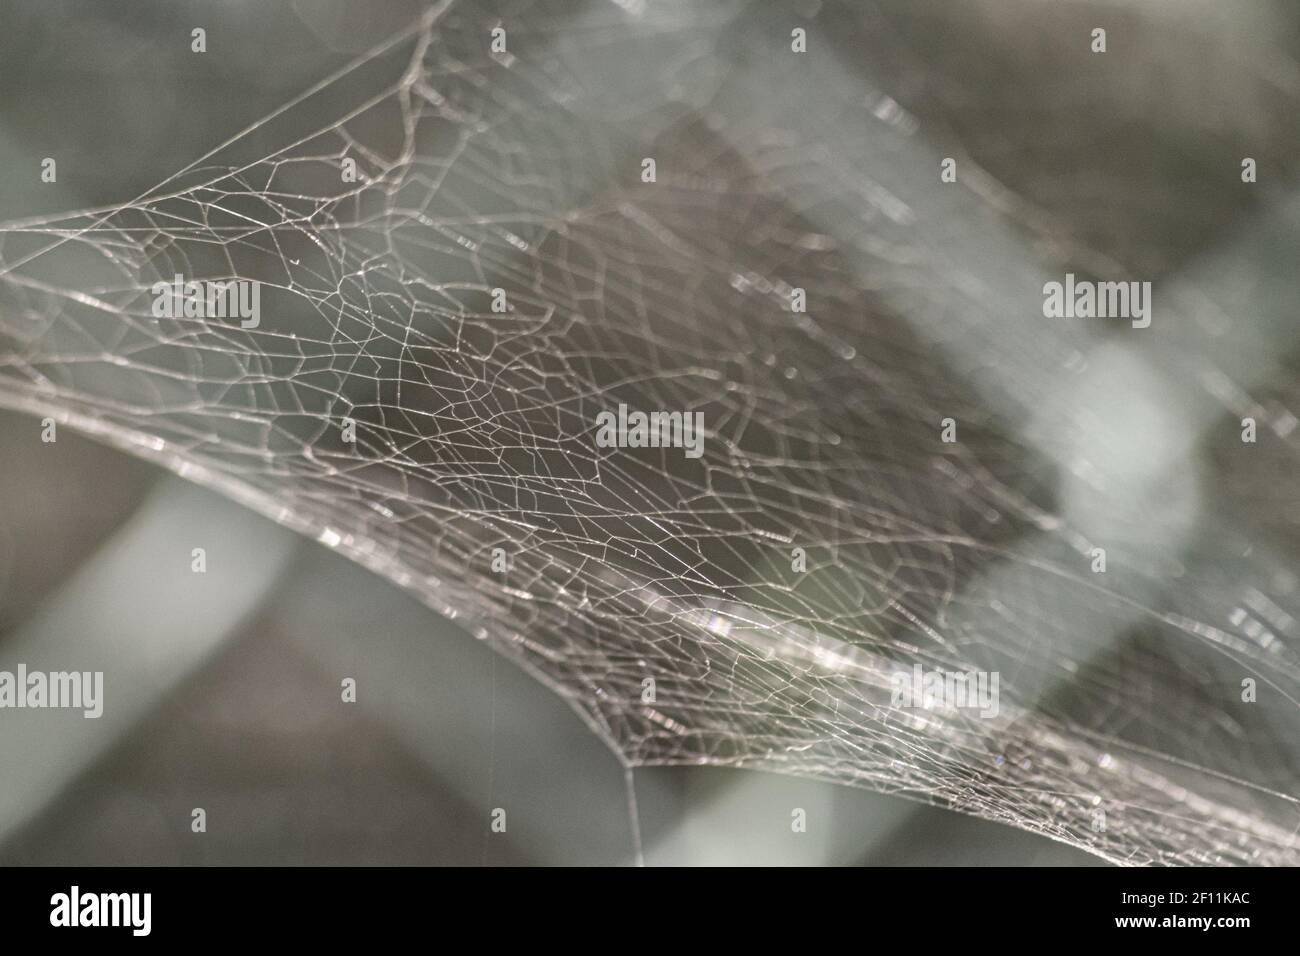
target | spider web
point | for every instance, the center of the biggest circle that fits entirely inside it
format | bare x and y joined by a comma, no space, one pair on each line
515,171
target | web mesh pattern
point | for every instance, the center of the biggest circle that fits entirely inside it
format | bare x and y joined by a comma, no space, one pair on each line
481,171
